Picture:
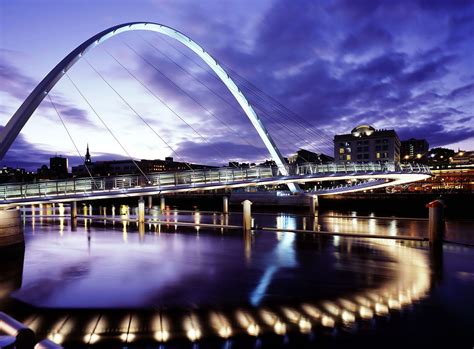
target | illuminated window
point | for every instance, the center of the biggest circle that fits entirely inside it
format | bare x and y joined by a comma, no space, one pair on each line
348,157
341,150
377,155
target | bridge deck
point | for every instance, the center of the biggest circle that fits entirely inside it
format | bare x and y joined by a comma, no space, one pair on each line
64,190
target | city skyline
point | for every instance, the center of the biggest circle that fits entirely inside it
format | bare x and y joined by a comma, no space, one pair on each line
403,66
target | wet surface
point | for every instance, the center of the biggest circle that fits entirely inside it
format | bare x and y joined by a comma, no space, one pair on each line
109,282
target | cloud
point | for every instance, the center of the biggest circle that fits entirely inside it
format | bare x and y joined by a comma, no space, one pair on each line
396,64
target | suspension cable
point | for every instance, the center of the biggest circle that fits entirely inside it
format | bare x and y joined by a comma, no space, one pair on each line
318,134
105,125
72,139
207,87
164,103
263,110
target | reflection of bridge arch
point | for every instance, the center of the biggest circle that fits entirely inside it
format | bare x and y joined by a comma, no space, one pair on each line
22,115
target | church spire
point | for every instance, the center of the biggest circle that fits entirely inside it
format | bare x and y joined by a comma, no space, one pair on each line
87,159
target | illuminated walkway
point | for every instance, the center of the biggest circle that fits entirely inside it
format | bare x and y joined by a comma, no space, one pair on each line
365,176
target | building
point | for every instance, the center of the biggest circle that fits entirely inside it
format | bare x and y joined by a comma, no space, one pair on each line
304,156
366,144
87,158
123,167
439,157
452,172
414,150
58,166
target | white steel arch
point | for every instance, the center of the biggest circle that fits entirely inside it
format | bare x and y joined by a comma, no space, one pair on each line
22,115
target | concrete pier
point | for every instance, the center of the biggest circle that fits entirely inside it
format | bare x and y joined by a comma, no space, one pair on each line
225,204
11,230
313,204
141,210
150,202
74,210
162,203
247,215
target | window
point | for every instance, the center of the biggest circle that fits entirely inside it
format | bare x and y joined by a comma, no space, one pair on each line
366,156
385,141
377,155
377,141
341,157
377,147
359,149
385,147
359,156
348,157
341,150
341,144
366,148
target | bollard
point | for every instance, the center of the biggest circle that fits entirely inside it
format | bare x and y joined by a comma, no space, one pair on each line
162,203
225,204
436,222
247,215
25,337
74,210
141,210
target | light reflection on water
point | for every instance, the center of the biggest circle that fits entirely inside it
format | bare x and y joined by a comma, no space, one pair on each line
106,264
88,265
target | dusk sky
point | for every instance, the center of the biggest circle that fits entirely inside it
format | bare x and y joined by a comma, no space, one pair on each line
406,65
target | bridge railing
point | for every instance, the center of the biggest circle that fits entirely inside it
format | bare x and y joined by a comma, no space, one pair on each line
158,180
354,168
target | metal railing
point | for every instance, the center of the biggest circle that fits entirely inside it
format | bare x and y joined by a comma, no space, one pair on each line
354,168
158,181
197,178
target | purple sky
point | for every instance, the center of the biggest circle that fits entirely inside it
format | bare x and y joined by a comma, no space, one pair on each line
400,64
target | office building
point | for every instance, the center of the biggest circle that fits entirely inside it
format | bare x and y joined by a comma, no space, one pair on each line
366,144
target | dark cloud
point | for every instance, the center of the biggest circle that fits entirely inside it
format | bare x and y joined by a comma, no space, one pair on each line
370,36
396,64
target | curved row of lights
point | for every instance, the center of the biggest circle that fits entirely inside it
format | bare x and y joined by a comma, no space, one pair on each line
411,283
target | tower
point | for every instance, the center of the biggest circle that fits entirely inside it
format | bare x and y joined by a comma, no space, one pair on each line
87,159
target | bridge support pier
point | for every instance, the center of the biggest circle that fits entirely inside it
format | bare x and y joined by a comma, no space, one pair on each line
150,202
90,210
11,231
113,211
141,210
74,210
247,215
225,204
162,203
313,204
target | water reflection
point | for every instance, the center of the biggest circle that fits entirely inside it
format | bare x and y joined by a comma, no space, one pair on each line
332,281
283,256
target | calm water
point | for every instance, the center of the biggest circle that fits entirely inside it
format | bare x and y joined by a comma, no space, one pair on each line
99,264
